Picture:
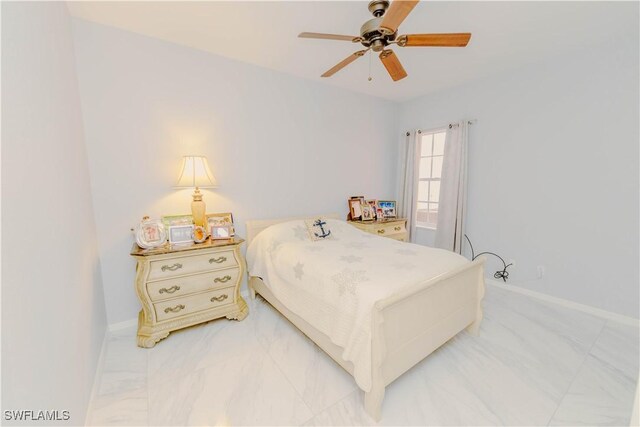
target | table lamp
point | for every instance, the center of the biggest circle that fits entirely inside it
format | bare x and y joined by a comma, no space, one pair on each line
195,173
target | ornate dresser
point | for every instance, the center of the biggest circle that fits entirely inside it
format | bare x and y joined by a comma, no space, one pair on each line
180,286
394,228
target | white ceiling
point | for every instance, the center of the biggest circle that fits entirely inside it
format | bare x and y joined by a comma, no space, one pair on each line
505,35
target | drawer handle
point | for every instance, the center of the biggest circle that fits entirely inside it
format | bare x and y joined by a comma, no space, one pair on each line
217,260
170,290
173,267
397,228
381,231
220,298
175,309
222,279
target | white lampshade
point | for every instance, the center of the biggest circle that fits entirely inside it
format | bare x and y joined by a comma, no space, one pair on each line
195,172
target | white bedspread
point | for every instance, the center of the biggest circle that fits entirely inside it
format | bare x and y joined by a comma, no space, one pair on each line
333,284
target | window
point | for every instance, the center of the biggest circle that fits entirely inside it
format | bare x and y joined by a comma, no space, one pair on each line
429,172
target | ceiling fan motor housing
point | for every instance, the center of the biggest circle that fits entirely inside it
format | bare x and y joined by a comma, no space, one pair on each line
375,36
378,7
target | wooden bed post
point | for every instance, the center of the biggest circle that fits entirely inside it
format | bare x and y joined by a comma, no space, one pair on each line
252,291
474,328
373,399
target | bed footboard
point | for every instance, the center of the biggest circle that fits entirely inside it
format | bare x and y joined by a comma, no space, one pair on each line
407,326
410,325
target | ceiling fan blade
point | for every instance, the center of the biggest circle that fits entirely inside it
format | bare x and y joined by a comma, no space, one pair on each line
435,40
393,65
326,36
340,65
397,12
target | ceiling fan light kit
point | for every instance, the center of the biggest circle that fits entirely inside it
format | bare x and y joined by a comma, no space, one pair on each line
381,31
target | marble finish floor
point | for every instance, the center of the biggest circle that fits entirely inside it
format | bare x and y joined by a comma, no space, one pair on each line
534,363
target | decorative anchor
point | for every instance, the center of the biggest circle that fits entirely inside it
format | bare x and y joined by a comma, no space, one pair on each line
320,223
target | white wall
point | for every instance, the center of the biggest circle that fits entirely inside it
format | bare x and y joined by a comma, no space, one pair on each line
278,145
53,313
553,171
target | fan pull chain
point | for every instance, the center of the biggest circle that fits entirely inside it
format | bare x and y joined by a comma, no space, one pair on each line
370,66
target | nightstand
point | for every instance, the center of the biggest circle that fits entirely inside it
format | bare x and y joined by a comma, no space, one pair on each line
394,228
180,286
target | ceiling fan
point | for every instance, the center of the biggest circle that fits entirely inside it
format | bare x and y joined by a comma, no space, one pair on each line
381,31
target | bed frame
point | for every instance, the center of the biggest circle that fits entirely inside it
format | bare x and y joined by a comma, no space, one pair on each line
407,326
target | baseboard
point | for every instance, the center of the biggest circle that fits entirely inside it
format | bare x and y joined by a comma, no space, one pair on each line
567,303
96,378
133,322
635,415
123,325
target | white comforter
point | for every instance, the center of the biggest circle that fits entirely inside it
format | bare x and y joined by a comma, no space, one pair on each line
333,284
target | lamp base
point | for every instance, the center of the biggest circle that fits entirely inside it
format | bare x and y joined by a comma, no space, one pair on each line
198,209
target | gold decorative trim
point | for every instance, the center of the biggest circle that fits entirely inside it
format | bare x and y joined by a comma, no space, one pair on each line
173,267
175,309
170,290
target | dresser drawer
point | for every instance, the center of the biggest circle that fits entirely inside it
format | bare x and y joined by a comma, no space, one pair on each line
388,229
179,286
178,266
400,237
190,304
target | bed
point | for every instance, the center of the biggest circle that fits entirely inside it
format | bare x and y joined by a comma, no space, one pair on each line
374,305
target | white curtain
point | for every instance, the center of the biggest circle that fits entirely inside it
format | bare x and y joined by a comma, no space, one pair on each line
453,189
408,180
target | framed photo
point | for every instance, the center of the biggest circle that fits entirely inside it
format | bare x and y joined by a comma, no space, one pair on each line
367,213
199,234
374,206
221,218
225,218
355,209
388,208
221,232
151,234
361,198
179,234
170,220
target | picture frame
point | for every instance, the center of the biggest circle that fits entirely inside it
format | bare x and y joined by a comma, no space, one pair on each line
388,208
355,209
367,213
361,198
374,206
151,234
224,218
221,232
180,234
199,234
171,220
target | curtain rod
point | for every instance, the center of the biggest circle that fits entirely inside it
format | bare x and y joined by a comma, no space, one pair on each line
471,122
450,126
